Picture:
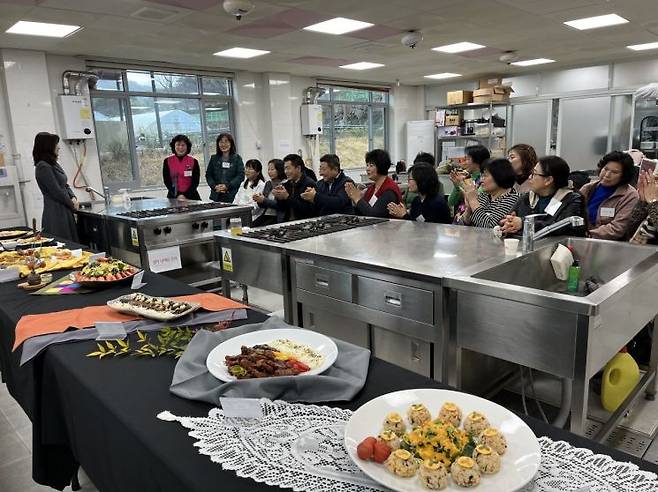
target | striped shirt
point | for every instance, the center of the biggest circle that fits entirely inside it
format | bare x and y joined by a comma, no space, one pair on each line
492,211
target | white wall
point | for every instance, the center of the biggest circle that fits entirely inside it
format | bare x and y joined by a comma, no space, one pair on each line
406,104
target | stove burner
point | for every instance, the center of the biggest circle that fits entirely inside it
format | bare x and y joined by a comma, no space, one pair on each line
183,209
312,228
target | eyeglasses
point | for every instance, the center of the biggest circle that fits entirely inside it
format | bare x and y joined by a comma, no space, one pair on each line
533,173
614,172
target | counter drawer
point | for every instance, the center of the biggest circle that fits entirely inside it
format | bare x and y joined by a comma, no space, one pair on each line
410,353
330,283
400,300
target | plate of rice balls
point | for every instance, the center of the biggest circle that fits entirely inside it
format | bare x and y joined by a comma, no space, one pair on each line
430,439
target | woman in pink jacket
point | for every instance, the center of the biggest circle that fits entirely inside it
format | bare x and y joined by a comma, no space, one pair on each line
611,199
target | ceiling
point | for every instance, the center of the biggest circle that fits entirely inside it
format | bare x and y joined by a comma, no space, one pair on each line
190,31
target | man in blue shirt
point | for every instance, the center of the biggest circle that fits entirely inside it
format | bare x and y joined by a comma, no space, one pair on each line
329,196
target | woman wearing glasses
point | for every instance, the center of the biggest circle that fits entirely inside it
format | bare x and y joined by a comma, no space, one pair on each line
549,195
611,199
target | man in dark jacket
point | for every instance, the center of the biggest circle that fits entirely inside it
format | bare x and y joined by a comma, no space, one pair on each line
329,196
289,195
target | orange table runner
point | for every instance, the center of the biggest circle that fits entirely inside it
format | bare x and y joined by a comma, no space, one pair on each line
58,322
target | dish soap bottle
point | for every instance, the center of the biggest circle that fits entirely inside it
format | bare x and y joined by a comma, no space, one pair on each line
574,277
620,376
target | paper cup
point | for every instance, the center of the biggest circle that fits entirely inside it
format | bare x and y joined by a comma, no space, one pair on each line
511,247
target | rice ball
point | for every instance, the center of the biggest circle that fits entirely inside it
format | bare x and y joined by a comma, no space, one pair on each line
401,463
475,423
465,472
390,438
393,422
433,475
418,415
451,413
494,439
487,459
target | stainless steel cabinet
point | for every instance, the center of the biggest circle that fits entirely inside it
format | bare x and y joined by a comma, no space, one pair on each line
402,350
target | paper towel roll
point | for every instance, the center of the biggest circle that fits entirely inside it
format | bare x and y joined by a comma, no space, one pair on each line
561,260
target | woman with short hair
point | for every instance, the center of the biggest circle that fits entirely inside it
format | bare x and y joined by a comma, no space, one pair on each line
497,199
225,171
253,184
180,171
382,191
611,199
428,205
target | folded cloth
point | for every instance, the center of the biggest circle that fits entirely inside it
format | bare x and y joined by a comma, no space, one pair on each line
58,322
341,382
33,346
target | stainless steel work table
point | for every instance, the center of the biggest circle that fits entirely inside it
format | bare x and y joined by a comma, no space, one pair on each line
386,284
378,286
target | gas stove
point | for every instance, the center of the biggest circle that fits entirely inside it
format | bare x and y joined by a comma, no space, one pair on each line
182,209
312,228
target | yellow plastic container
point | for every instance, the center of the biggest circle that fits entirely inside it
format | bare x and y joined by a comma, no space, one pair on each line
620,376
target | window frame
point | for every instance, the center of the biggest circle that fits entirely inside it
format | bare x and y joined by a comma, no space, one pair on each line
329,104
125,95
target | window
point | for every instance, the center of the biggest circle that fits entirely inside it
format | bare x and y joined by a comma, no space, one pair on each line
134,126
355,121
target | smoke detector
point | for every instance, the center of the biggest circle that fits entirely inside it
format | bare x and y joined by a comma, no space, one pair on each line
238,8
411,39
509,57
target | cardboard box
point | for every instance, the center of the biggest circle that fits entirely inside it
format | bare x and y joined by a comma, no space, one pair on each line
490,82
499,93
459,97
453,120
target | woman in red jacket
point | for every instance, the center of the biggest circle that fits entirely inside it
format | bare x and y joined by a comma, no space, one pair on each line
180,171
381,192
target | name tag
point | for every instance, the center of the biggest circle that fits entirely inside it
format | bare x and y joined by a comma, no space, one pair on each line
420,218
372,201
226,165
553,206
188,173
607,212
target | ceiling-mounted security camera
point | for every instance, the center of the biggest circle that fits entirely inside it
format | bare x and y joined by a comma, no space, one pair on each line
509,57
411,39
238,8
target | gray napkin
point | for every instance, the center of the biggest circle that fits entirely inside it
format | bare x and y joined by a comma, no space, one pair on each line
340,382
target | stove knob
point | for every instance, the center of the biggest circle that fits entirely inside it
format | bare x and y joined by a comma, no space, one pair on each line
157,231
195,225
167,230
204,225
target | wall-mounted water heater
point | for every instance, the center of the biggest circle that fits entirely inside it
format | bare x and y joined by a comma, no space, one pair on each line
311,119
75,117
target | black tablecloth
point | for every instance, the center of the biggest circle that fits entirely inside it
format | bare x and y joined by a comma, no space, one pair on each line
102,413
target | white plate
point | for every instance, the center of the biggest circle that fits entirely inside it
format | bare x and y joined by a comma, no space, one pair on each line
318,342
519,464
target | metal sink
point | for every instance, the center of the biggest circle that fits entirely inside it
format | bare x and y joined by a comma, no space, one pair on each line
518,311
601,261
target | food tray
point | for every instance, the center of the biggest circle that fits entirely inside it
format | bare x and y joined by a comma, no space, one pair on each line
122,304
106,283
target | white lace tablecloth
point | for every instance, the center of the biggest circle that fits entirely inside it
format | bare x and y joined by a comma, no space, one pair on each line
300,447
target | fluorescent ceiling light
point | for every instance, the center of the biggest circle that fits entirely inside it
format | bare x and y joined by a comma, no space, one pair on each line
278,82
338,25
642,47
444,75
241,53
362,66
534,61
42,29
596,22
458,47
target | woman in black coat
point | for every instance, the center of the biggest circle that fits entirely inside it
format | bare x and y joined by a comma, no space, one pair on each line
59,201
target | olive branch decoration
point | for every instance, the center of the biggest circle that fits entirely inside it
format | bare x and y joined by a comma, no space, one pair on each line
170,342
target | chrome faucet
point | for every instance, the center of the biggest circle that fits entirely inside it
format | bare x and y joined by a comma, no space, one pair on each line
529,234
105,195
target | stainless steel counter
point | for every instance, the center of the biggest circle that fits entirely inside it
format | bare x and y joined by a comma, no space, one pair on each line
185,225
420,250
430,297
